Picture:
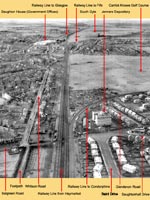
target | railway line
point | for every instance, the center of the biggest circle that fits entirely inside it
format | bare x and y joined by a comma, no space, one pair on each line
62,145
62,149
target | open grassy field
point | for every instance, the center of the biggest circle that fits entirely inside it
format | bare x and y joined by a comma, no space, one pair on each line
122,72
117,34
112,29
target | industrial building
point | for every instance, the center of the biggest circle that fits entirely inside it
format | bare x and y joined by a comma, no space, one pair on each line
101,118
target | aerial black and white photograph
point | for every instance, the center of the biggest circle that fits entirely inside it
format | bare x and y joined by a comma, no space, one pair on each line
74,104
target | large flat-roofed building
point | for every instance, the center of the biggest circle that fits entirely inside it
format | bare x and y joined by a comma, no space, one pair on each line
101,118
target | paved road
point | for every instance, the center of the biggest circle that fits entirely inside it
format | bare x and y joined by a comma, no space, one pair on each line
109,160
102,139
25,140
